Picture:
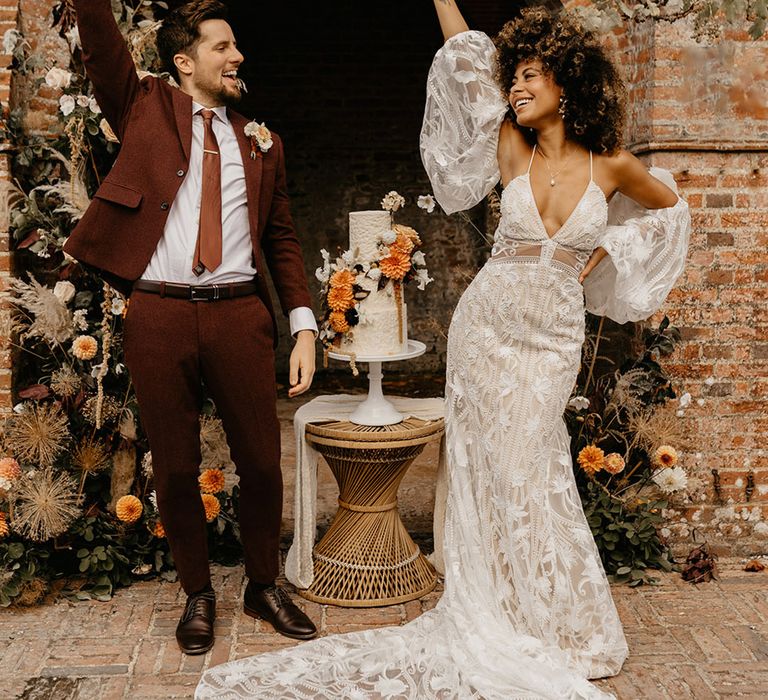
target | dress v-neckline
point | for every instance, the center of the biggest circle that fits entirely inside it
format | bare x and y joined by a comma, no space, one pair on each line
527,176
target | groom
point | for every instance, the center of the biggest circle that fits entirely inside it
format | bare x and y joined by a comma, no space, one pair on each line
184,222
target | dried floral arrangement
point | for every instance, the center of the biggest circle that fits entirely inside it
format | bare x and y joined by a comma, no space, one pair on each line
399,261
77,509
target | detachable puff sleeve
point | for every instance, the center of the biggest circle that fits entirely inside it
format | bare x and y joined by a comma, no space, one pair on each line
646,255
462,118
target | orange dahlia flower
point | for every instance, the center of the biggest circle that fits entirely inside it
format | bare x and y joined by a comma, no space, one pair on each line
9,468
341,298
591,459
614,463
3,526
342,278
212,507
339,322
409,233
129,509
665,456
395,266
211,481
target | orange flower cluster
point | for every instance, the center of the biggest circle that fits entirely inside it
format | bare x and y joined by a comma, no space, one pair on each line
407,232
158,530
396,264
614,463
9,469
341,298
339,322
342,278
591,459
665,456
3,526
212,507
211,481
129,509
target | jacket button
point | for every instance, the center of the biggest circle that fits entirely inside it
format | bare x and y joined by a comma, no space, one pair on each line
164,206
180,173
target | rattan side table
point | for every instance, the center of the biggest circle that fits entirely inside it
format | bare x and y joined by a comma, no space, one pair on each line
366,558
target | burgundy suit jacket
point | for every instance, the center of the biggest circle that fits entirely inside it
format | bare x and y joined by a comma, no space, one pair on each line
153,120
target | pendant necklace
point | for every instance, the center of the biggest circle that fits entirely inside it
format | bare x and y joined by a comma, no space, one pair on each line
552,175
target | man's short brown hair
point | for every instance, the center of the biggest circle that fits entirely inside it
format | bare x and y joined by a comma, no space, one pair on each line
180,32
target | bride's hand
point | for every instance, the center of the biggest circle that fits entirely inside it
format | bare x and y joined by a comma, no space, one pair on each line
597,255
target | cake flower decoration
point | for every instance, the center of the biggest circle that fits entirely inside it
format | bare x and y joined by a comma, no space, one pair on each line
260,137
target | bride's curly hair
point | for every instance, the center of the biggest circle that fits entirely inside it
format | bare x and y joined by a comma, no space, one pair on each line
593,90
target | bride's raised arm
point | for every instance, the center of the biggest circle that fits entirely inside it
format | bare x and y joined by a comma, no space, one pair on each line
451,21
464,111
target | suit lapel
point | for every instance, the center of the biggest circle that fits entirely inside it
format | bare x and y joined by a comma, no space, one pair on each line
253,171
182,110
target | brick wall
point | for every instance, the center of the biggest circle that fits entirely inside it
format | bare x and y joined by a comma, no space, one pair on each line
345,88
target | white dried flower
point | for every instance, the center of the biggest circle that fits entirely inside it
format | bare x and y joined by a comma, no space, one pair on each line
11,39
580,403
685,400
671,479
67,105
426,202
118,306
64,291
73,37
374,273
422,278
58,78
79,320
392,201
106,129
93,105
323,274
348,257
418,258
82,100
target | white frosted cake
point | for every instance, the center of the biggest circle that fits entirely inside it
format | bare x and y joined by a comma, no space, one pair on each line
383,322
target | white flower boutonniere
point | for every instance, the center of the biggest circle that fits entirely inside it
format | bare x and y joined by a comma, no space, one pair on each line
260,136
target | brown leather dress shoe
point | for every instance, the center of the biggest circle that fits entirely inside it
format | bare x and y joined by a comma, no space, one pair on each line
194,632
274,605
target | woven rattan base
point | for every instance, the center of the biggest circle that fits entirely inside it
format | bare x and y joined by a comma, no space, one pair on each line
366,557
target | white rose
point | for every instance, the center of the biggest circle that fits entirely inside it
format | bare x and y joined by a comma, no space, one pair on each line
58,78
427,202
64,291
418,258
67,105
94,106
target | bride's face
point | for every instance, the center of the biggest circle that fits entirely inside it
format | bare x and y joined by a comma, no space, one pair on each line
534,96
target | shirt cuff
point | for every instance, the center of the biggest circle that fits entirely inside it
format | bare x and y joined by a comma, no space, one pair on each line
302,319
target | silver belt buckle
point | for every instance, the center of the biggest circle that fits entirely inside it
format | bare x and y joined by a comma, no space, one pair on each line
195,294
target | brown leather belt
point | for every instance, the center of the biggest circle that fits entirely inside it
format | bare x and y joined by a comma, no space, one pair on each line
202,292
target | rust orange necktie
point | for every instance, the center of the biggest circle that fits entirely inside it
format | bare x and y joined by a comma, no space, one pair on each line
208,247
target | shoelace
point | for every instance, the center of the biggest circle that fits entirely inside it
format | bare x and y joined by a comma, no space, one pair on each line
278,596
198,605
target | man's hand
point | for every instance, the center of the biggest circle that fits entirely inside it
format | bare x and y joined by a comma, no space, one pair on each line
302,363
597,255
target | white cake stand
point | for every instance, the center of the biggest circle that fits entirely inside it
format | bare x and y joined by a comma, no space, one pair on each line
376,410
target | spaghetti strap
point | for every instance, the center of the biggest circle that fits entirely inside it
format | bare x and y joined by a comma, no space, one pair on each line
590,166
530,162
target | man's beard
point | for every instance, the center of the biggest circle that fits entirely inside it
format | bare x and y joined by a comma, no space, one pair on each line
229,97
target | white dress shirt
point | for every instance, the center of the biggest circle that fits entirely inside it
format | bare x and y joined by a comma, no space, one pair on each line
172,259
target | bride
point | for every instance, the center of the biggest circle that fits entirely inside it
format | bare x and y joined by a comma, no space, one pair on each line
527,610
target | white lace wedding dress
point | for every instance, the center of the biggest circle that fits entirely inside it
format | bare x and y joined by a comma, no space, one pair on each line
527,611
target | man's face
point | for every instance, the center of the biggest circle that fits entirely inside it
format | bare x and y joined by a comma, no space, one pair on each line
214,64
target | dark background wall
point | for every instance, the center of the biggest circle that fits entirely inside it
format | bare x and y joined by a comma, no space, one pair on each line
344,84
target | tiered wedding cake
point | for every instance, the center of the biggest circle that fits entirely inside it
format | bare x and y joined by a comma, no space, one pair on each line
383,321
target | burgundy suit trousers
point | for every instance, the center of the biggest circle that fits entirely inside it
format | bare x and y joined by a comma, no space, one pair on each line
172,347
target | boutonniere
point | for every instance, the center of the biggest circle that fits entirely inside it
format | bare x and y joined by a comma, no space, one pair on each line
260,137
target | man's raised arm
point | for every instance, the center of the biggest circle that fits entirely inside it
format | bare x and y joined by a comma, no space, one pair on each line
107,61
